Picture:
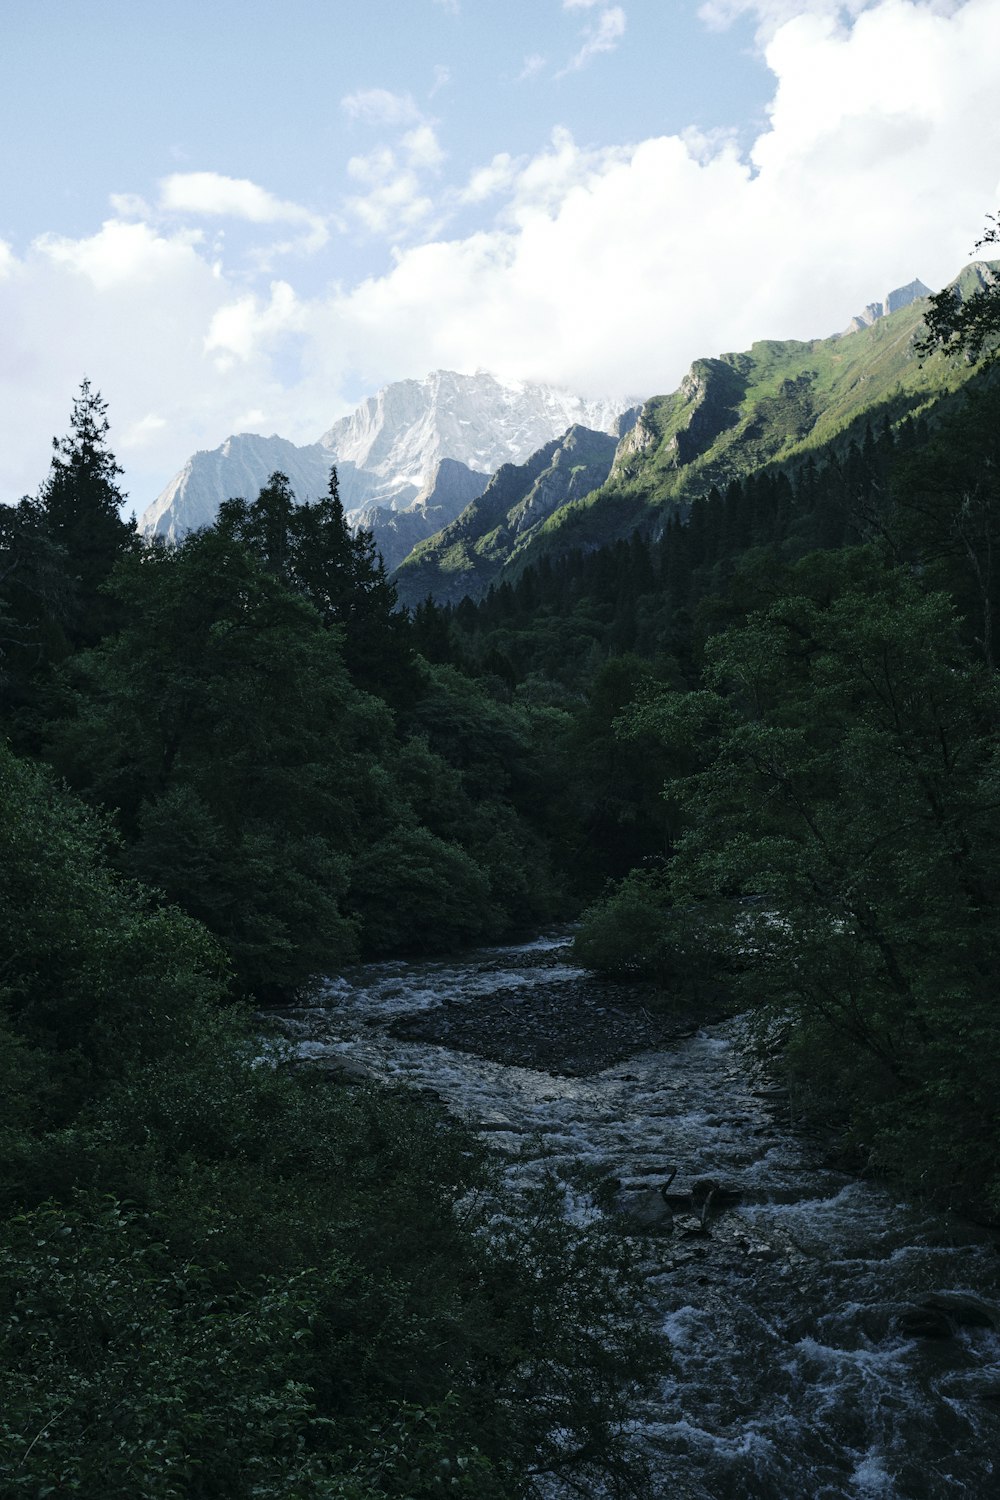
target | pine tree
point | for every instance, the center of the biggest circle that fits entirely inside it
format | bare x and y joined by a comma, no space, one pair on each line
79,509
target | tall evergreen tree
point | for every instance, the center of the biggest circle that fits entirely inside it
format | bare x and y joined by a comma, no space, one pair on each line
311,548
79,509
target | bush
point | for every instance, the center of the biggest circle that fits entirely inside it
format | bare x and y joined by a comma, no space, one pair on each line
636,932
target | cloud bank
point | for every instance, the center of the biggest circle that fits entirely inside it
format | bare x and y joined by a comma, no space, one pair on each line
606,270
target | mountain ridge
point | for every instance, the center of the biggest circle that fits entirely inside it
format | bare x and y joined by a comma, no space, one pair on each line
731,415
386,451
476,546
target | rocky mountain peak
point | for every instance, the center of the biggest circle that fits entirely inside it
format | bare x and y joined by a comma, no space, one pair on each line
899,297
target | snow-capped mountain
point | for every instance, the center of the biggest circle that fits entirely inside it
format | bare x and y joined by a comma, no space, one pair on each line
388,450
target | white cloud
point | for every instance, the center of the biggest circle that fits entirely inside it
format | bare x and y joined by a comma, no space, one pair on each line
534,63
394,208
130,206
395,204
376,166
487,182
380,107
122,253
545,182
239,329
770,15
130,307
422,147
142,432
614,269
212,195
602,35
207,193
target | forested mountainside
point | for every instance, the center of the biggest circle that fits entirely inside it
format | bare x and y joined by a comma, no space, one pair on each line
755,746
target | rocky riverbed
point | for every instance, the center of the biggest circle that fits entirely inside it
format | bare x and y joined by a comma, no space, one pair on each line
827,1341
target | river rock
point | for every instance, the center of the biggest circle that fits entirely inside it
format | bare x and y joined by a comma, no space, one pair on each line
964,1312
692,1226
340,1069
645,1210
709,1197
925,1322
940,1316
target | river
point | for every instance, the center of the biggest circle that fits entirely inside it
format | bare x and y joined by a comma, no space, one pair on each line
828,1341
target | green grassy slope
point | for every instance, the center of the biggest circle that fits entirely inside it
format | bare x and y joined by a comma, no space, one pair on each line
743,412
731,416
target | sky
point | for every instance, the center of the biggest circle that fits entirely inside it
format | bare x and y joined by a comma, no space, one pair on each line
246,216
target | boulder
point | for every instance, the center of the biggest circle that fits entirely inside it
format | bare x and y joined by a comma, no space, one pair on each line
940,1316
645,1210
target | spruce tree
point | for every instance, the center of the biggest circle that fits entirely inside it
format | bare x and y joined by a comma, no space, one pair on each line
79,509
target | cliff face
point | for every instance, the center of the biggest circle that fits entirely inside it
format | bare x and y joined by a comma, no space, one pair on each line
397,532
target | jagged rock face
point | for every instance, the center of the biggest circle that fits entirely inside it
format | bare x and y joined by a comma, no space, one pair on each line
467,556
410,426
641,438
397,532
713,390
387,451
452,487
980,276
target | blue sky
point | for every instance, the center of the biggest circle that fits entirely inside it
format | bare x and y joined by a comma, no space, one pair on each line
248,216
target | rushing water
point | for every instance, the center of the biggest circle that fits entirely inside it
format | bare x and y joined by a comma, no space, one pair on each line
793,1375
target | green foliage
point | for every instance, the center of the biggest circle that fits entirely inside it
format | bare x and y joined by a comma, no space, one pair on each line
624,936
36,604
637,932
945,512
91,970
222,725
222,1277
964,318
79,510
414,891
846,786
311,548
